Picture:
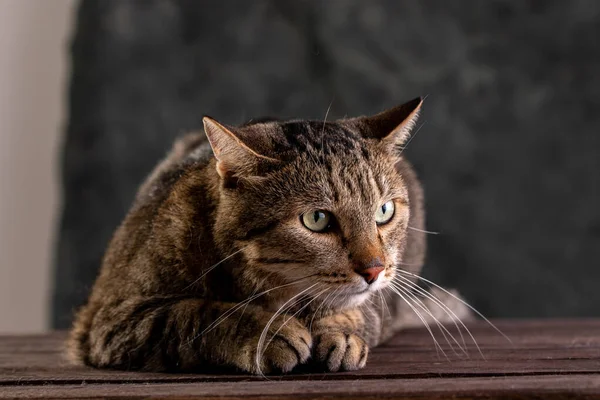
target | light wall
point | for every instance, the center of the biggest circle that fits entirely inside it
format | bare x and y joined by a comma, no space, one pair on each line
34,36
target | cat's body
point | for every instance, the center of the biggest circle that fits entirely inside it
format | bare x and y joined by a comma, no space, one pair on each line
213,266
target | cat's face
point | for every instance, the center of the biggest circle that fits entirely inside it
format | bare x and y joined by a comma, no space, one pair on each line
315,206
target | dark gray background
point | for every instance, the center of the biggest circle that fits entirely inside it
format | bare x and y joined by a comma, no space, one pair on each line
508,153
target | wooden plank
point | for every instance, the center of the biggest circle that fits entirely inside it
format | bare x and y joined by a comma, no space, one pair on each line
541,387
556,358
377,368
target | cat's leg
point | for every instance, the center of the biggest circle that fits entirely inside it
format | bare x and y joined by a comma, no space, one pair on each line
181,334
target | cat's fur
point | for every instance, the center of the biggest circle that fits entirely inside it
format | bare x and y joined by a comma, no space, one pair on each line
218,222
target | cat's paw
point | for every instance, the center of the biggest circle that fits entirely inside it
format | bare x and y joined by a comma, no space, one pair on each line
287,345
339,351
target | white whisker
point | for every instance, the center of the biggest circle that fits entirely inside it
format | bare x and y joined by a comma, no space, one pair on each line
459,299
369,310
423,231
325,122
241,304
425,323
334,298
246,305
384,308
213,267
445,332
453,317
318,309
261,339
412,137
293,315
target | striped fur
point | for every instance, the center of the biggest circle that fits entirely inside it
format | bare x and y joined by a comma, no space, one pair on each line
202,270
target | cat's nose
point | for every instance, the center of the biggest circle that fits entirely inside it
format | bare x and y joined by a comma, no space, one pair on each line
371,274
370,271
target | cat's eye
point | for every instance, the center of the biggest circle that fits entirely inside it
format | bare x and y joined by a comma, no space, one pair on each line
317,220
384,213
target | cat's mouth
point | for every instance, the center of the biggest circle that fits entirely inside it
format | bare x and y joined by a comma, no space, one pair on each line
379,284
367,289
371,288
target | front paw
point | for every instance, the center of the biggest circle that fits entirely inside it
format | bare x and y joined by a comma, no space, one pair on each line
339,351
286,344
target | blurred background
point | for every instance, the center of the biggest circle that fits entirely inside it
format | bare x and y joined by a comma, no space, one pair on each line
34,69
93,92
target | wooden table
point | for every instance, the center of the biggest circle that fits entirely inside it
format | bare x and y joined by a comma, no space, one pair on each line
551,359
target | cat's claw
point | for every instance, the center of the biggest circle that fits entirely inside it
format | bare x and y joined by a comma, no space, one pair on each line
339,351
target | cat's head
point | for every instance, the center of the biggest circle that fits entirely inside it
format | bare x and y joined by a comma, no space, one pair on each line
312,205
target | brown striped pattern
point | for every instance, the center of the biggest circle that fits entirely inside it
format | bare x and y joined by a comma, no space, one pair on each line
213,268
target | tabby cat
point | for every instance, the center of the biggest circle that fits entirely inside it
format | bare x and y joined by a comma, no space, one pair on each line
267,246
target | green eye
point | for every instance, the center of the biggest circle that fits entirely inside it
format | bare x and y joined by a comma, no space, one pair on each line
317,220
384,213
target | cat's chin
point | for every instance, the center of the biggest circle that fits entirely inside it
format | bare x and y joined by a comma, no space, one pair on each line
360,296
357,299
378,285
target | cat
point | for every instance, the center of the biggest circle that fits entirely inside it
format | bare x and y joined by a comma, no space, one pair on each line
264,247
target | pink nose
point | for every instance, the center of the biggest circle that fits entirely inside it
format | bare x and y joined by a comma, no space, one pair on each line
370,274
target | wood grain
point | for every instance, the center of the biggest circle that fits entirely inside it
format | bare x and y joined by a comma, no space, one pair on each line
546,359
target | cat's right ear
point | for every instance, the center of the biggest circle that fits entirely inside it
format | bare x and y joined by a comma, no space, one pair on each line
392,127
232,149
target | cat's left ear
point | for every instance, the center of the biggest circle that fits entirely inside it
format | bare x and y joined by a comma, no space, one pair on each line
392,127
239,151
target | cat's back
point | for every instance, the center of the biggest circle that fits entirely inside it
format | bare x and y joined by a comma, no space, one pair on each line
174,199
191,151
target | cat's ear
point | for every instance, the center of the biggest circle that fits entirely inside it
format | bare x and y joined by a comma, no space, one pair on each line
392,127
235,149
